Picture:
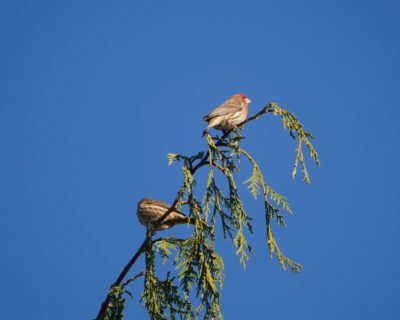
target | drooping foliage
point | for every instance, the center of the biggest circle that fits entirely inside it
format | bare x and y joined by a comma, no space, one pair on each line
192,289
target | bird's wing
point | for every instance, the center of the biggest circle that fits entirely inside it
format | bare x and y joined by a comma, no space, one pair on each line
167,206
229,106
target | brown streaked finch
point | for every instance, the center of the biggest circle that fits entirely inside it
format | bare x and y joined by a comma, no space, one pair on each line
229,114
150,210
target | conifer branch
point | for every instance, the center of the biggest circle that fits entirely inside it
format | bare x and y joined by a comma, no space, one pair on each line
196,261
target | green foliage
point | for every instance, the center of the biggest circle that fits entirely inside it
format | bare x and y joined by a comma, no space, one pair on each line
165,246
116,302
161,297
198,264
290,122
194,290
116,305
172,157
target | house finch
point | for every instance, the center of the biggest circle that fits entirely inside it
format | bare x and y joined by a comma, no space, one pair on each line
149,211
229,114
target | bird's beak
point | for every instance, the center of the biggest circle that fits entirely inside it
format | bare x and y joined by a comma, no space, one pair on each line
248,100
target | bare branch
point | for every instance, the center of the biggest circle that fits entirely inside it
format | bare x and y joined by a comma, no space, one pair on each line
133,278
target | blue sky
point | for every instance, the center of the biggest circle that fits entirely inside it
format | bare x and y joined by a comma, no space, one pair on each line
94,94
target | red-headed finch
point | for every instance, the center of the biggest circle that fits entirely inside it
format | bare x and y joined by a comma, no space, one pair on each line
229,114
150,210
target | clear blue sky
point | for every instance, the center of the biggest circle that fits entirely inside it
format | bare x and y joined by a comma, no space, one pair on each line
94,94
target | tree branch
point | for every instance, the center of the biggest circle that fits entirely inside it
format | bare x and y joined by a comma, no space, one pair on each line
106,302
268,108
132,279
202,163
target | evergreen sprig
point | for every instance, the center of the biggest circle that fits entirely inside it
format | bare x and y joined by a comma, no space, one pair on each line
162,298
291,123
117,304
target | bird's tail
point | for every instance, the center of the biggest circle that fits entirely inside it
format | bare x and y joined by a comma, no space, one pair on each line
204,133
193,221
181,220
185,219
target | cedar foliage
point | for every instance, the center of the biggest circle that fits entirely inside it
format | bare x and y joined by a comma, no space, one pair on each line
193,289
